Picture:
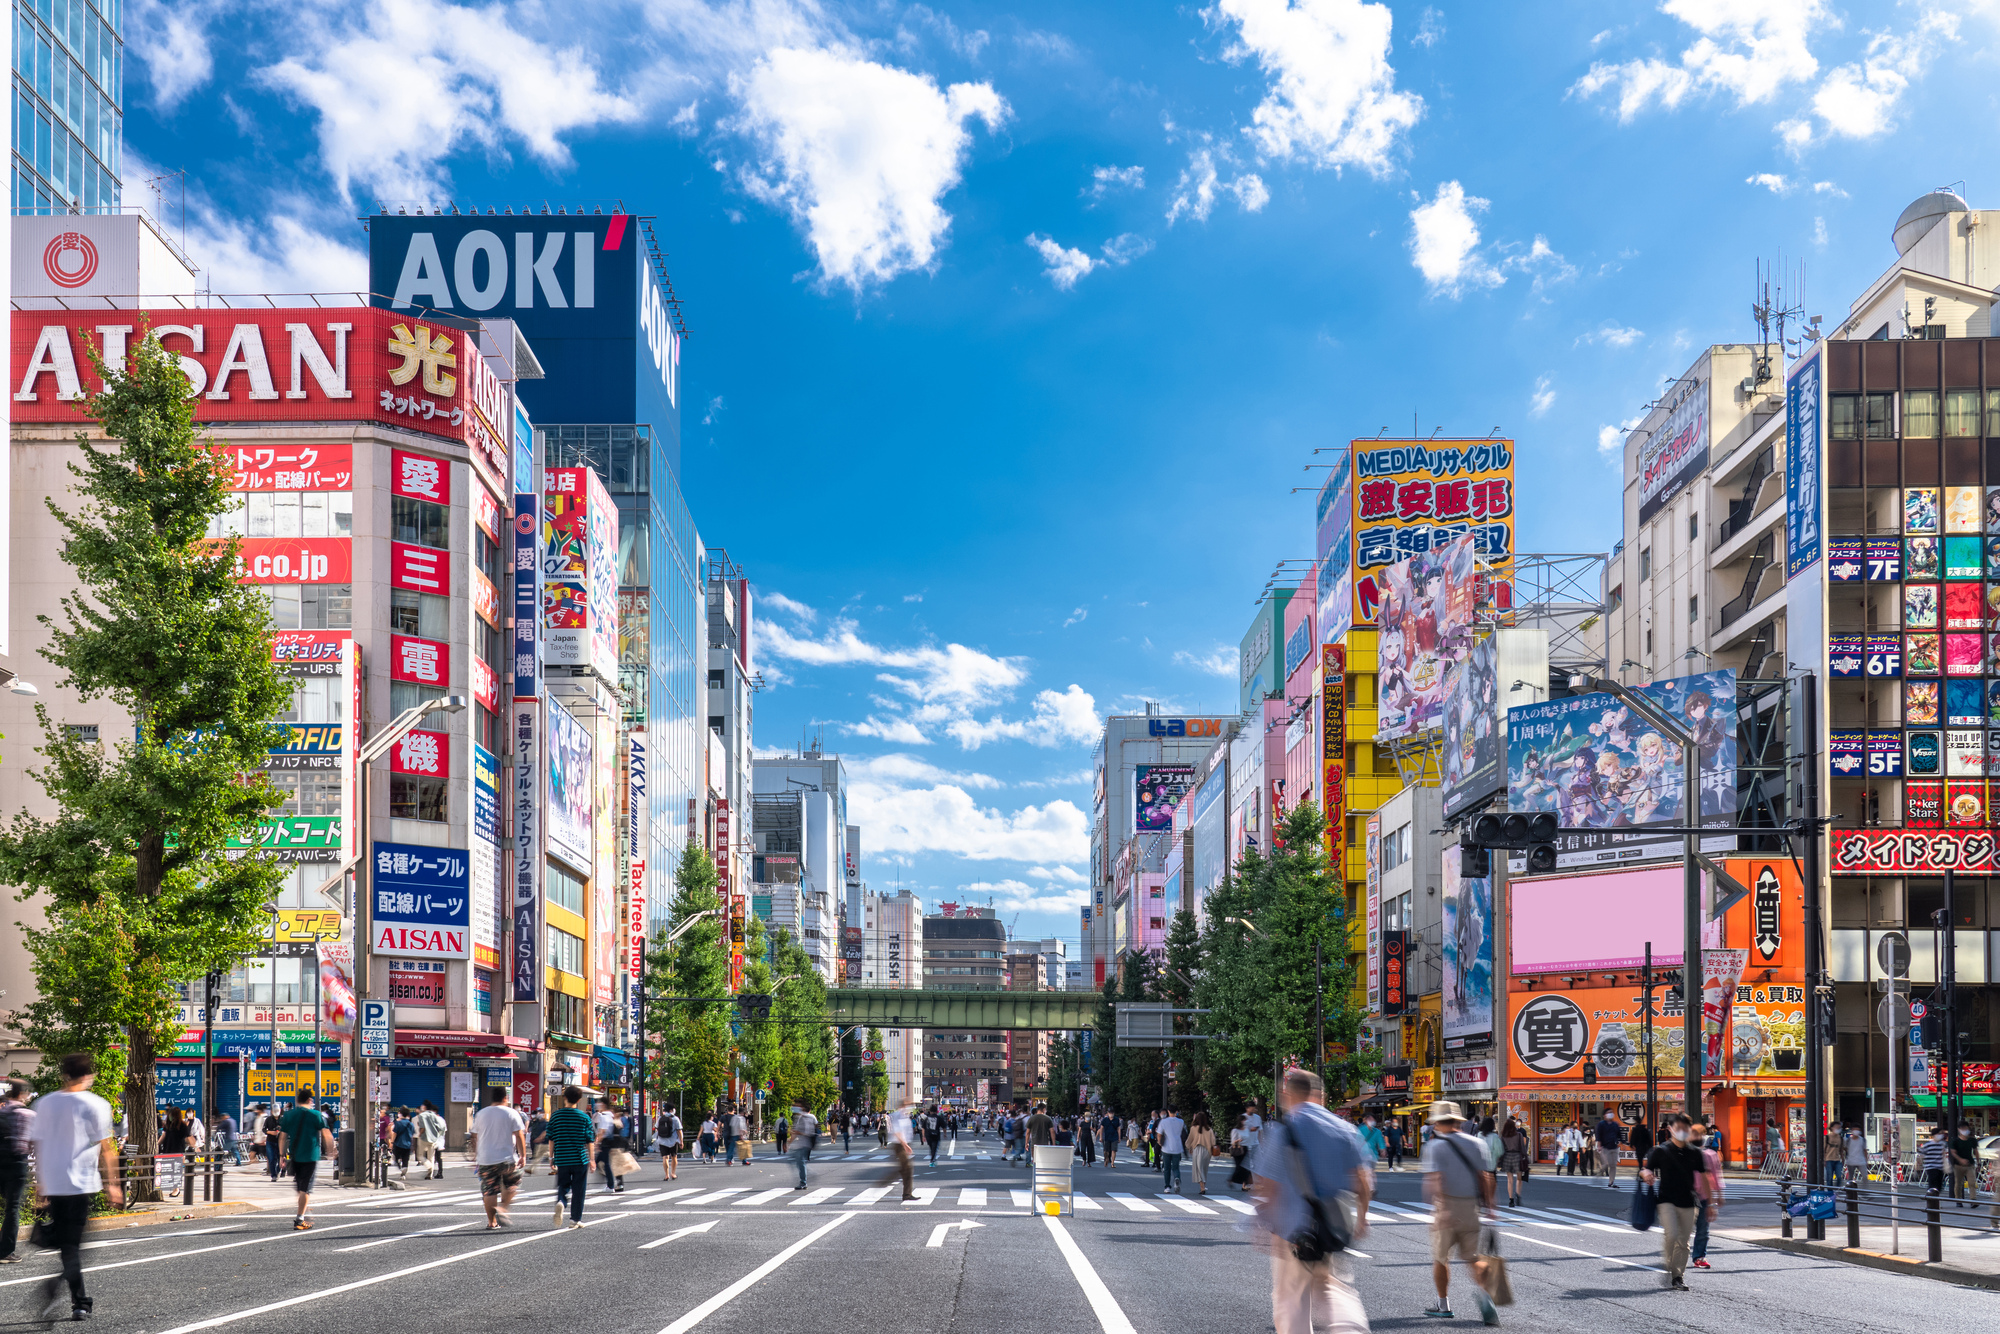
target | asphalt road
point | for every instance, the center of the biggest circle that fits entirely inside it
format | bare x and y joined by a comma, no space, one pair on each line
767,1258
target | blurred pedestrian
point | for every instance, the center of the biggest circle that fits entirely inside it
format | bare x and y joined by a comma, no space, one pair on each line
1458,1182
17,1133
1671,1169
1308,1162
75,1157
804,1134
1201,1148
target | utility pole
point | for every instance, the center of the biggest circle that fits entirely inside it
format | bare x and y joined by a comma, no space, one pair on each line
1319,1009
1646,983
1819,989
1947,921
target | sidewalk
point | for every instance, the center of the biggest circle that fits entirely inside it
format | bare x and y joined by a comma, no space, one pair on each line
246,1189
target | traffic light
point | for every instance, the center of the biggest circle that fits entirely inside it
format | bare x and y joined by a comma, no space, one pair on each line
1532,834
750,1005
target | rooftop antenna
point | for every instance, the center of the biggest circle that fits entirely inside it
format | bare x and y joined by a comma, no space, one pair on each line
1770,309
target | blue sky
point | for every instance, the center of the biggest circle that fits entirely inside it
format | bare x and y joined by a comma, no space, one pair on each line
1013,327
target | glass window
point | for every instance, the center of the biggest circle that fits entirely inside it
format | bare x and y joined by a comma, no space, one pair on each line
308,792
317,699
565,952
1920,413
1961,412
421,522
1850,956
415,798
490,559
635,548
427,615
565,888
1970,953
408,695
1882,416
1993,412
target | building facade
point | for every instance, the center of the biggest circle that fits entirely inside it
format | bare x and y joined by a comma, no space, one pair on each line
965,951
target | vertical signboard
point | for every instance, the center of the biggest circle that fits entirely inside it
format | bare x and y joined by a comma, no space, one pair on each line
606,884
1333,752
1374,851
1467,1003
571,779
1423,495
1803,456
485,852
580,572
525,917
1395,972
635,835
1333,542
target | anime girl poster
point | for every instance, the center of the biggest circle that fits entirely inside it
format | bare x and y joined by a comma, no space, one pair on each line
1920,509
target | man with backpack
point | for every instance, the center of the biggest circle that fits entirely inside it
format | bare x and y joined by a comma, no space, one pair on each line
1303,1167
805,1133
17,1127
430,1140
1458,1181
933,1132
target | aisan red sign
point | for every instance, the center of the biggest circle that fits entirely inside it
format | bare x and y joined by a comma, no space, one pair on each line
352,364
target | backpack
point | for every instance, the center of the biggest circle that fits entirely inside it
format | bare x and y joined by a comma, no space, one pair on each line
14,1123
1327,1229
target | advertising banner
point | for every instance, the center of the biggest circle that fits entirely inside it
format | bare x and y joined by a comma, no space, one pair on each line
255,366
1426,612
637,826
606,926
1895,852
488,886
336,989
1333,549
1721,970
1374,850
288,467
1677,452
1568,924
296,838
527,594
1395,972
1333,728
1158,791
1551,1032
1467,1003
525,922
424,661
579,572
1595,763
1417,497
422,906
571,771
419,569
1471,761
294,926
423,753
295,560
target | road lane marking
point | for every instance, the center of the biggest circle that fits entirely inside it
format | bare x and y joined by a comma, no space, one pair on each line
676,1194
1633,1264
1022,1199
869,1196
427,1232
1078,1200
215,1321
937,1233
1132,1202
715,1195
661,1241
1101,1301
199,1250
1237,1205
741,1285
972,1197
764,1196
924,1196
1185,1206
819,1195
169,1236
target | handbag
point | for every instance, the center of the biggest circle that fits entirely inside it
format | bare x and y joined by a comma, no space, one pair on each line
1819,1203
1645,1208
623,1163
1496,1282
1326,1229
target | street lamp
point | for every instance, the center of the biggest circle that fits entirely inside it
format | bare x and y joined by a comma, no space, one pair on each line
1691,971
364,883
1240,921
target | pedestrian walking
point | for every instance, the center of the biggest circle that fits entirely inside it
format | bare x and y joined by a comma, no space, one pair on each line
1513,1159
739,1126
1309,1162
75,1157
1931,1157
1854,1156
1201,1148
1642,1139
1086,1140
1608,1135
271,1127
901,1151
1569,1143
610,1139
1173,1143
1671,1169
1040,1129
805,1134
538,1132
1392,1140
669,1131
305,1141
1459,1186
1107,1128
226,1139
1240,1146
403,1139
881,1134
1708,1191
1371,1136
500,1148
708,1137
430,1141
571,1138
781,1133
933,1132
846,1133
17,1133
731,1132
1964,1165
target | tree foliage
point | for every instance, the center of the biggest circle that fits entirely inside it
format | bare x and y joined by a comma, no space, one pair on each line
690,1040
135,871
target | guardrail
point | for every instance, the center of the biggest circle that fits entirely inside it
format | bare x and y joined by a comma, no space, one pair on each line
174,1174
1877,1205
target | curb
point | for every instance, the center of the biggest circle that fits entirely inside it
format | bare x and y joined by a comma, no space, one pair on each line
179,1213
1895,1264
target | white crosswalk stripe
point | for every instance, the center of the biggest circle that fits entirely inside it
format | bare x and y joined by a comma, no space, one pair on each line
1022,1199
764,1196
1539,1218
1185,1206
1594,1221
820,1195
869,1196
1132,1202
925,1195
715,1195
972,1197
1237,1205
1081,1201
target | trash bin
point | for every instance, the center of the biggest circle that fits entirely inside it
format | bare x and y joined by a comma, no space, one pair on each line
345,1155
1052,1188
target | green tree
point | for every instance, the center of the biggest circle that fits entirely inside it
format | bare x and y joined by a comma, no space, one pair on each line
143,870
801,1063
690,1038
1185,963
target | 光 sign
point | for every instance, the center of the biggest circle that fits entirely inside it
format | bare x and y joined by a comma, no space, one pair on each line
581,287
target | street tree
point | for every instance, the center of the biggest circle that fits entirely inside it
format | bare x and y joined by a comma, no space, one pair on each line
147,869
690,1038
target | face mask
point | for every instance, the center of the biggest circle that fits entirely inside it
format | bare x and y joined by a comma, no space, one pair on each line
1698,1140
1681,1135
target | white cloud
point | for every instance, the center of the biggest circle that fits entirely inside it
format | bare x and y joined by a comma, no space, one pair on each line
1444,243
1430,30
859,154
1199,184
953,676
1749,53
1077,617
1062,873
1331,99
1771,181
1070,716
1107,180
1858,100
170,42
945,818
1061,265
1796,135
284,252
1828,188
776,601
1016,896
913,597
1611,334
908,770
1541,260
1611,439
898,731
714,413
1221,661
1542,399
1819,233
401,85
1125,247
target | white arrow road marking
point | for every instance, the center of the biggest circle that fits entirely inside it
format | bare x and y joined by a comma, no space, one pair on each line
937,1233
661,1241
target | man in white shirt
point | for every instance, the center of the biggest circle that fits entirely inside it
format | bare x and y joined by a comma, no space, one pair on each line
1173,1143
75,1157
500,1146
900,1151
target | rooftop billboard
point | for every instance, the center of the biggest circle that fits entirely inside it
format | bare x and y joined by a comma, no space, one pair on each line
1425,616
1677,452
1413,497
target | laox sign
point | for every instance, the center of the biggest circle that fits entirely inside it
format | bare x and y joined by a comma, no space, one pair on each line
1184,727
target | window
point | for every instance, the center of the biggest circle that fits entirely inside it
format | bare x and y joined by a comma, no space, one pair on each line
1843,416
1920,413
423,522
413,797
565,888
408,694
1881,416
717,678
488,557
1694,610
312,606
1649,643
1694,526
568,1014
1617,597
286,514
314,793
1395,848
427,615
1645,564
486,728
1961,412
84,734
565,952
316,699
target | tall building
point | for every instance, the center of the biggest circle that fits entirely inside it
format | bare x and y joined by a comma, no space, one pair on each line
965,950
799,858
69,99
892,954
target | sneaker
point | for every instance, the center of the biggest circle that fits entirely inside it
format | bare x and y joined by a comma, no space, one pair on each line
10,1259
1487,1315
559,1212
1438,1312
1703,1264
79,1313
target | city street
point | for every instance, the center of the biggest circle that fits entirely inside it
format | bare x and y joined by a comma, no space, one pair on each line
737,1249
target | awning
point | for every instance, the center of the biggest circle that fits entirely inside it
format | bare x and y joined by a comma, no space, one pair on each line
1967,1099
433,1044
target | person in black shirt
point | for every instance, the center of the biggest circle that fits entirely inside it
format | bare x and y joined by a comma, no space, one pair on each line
1642,1141
1671,1168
